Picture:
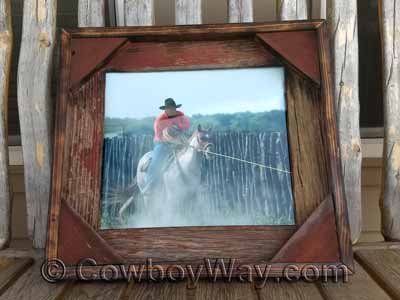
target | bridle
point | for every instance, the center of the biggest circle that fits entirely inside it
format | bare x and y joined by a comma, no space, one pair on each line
204,147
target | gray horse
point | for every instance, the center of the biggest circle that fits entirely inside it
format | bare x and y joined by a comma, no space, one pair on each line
179,184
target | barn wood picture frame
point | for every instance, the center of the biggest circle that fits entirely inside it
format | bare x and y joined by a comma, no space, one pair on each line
321,233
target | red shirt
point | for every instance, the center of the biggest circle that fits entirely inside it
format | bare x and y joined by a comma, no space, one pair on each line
163,121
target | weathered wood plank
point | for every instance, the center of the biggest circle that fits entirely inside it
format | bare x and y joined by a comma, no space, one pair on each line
6,38
32,286
384,267
164,290
359,286
11,269
91,13
188,12
322,9
139,12
297,290
95,290
292,9
390,199
377,246
240,11
224,290
35,110
342,26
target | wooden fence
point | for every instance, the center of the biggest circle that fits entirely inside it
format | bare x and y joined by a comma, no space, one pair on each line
226,185
35,102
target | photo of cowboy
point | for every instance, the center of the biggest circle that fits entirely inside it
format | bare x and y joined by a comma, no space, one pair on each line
202,148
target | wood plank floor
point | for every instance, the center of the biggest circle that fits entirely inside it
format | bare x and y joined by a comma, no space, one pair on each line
377,277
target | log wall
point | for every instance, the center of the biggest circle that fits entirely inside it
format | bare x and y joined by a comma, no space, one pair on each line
6,42
35,110
390,200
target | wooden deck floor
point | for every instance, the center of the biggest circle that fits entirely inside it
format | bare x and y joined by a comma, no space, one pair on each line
377,277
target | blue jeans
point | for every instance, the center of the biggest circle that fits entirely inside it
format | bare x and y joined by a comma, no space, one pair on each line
159,157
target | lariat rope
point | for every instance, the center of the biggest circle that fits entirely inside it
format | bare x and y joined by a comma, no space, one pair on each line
241,160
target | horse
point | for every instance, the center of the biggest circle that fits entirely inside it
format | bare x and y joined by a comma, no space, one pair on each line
179,182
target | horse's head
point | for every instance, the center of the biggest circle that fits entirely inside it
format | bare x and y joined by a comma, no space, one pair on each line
202,141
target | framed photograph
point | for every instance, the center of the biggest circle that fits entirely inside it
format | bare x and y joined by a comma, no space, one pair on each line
186,146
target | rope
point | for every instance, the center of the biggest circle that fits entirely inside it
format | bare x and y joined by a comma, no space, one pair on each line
243,161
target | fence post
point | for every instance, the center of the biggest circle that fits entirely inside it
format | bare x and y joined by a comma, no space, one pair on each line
188,12
5,68
292,9
240,11
35,110
91,13
139,12
343,30
390,198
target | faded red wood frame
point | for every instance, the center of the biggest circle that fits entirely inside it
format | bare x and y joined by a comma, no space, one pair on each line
321,233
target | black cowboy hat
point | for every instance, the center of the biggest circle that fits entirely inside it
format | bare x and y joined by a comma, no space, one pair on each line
170,103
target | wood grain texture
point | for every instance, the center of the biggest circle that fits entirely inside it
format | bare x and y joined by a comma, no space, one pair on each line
224,290
240,11
188,12
78,239
91,13
35,111
359,286
6,43
11,269
316,240
86,56
292,9
312,133
95,291
195,32
384,267
332,140
164,290
289,291
82,172
165,245
309,160
303,58
32,286
390,198
343,31
139,12
187,55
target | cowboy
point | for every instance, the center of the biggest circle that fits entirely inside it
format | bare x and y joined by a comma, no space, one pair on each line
168,127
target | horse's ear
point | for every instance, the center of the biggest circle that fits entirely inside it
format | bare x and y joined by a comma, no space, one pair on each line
199,127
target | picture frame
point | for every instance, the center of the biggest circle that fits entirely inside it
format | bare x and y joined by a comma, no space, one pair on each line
319,241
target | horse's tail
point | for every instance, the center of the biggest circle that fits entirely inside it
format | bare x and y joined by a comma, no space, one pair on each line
134,192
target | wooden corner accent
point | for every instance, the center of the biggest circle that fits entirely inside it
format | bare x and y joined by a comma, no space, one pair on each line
78,240
90,55
281,44
315,241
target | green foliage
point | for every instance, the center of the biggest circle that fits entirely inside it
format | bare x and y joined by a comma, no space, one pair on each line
274,120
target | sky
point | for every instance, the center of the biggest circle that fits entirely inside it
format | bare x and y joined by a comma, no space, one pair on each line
140,94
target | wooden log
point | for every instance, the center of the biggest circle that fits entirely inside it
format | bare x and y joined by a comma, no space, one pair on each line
91,13
240,11
292,9
139,12
188,12
35,110
342,24
390,198
5,67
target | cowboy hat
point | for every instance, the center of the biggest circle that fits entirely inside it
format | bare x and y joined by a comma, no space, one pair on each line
170,103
